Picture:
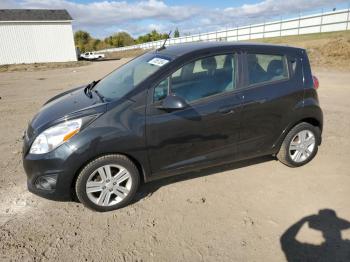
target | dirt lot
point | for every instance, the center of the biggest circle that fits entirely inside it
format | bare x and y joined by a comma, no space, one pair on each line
41,66
232,213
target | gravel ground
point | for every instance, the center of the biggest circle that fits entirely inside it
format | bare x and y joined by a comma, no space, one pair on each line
237,212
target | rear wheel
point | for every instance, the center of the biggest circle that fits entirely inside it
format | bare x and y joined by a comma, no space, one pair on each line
107,183
300,145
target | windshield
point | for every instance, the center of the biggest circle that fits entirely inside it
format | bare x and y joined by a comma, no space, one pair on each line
124,79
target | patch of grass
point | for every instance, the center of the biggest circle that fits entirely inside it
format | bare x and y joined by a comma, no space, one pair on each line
125,54
297,39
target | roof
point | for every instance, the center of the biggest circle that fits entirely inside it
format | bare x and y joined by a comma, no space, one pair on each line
186,48
19,15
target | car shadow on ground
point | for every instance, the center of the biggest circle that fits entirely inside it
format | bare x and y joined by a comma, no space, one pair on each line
147,189
333,248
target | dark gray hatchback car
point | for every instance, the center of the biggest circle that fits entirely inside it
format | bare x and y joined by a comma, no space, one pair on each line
170,111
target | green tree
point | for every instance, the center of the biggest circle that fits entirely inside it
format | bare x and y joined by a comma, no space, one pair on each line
108,40
119,39
85,42
176,33
95,43
152,36
126,39
82,39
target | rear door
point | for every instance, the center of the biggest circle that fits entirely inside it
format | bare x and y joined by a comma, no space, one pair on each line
206,132
272,89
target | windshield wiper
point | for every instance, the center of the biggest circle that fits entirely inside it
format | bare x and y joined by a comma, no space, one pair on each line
99,95
89,88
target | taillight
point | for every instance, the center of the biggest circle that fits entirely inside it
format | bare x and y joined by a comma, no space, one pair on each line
316,82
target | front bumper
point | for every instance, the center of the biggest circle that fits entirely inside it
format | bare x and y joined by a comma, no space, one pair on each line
60,164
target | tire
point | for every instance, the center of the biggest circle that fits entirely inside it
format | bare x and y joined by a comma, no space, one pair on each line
288,156
107,183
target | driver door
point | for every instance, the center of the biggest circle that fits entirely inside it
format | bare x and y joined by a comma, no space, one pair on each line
206,131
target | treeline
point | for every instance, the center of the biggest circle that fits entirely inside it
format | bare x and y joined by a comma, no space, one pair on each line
85,42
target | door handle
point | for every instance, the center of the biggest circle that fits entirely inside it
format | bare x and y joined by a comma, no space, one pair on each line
257,101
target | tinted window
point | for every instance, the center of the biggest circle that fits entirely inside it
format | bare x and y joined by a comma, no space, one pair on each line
266,68
200,79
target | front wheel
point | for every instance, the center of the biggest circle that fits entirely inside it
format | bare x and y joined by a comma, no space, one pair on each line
107,183
300,145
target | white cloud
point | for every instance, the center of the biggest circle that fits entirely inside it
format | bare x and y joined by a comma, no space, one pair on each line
272,8
97,16
106,17
97,13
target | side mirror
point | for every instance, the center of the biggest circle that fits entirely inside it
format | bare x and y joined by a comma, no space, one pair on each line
173,102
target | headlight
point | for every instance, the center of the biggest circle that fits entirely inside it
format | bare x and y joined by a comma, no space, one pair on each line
55,136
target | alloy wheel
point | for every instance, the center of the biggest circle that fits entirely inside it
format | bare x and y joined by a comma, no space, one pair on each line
108,185
302,146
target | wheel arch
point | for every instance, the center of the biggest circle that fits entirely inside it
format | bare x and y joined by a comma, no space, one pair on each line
310,120
137,163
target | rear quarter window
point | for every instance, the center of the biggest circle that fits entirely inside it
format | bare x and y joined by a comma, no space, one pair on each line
265,68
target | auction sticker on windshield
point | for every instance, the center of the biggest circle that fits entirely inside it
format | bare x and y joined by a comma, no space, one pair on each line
157,61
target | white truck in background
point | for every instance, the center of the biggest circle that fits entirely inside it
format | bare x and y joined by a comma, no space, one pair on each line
91,56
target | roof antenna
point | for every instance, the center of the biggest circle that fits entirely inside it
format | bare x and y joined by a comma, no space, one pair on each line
163,46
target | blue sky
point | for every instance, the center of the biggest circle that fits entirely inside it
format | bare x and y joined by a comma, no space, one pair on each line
105,17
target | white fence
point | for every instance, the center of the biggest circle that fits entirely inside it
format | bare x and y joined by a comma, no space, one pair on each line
324,22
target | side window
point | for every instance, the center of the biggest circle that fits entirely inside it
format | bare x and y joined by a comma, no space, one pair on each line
161,90
293,61
197,67
201,78
266,68
177,73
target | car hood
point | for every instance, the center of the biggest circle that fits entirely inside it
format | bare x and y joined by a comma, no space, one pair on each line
71,104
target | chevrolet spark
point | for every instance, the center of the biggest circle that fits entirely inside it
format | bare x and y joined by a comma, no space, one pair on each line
171,111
